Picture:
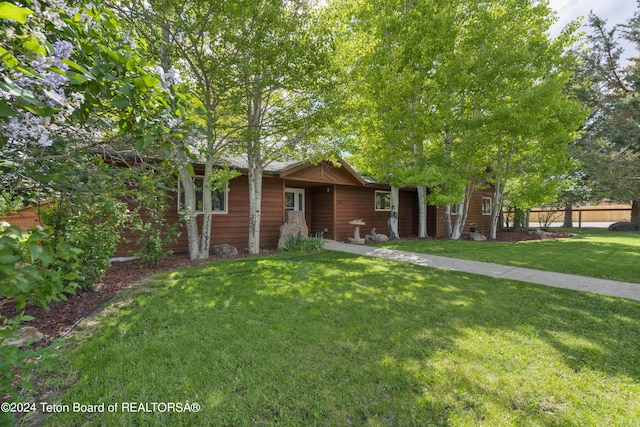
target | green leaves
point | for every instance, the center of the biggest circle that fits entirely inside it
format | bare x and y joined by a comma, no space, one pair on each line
13,12
609,149
27,270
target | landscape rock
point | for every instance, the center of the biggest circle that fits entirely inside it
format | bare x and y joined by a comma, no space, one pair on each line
624,226
225,250
26,335
295,226
375,237
478,237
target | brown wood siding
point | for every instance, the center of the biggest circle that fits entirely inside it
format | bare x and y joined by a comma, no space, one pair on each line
322,205
359,203
408,214
474,216
24,219
27,217
432,220
272,213
232,227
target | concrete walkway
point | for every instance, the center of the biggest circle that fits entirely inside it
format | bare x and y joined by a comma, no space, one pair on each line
559,280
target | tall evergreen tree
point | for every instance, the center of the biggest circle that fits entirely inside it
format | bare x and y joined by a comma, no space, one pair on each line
610,146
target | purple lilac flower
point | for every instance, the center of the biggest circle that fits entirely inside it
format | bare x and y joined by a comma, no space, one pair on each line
62,49
54,80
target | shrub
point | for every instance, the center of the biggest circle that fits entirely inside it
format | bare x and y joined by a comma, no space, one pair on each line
33,267
302,244
91,226
152,201
550,214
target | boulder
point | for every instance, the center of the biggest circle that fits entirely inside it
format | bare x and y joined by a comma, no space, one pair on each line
295,226
375,237
624,226
26,335
225,250
478,237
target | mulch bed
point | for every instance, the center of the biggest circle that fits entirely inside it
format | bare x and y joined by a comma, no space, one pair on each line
64,315
519,236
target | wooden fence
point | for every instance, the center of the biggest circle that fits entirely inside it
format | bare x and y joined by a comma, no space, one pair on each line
613,213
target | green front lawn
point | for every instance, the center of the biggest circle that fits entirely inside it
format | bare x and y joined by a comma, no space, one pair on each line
336,339
594,253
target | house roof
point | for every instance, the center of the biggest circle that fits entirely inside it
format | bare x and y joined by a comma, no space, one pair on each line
326,172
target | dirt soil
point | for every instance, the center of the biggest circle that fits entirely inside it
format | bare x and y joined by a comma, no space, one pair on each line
64,315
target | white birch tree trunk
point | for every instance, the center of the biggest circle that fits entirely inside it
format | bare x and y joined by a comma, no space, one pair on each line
448,140
190,217
255,205
463,211
422,211
255,160
456,232
496,209
205,236
393,219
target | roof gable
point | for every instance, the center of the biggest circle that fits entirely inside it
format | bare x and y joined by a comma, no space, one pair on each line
323,173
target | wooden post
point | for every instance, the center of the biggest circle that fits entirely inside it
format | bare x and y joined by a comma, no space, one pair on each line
580,219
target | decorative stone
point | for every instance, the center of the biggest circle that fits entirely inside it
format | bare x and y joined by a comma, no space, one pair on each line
295,226
26,335
624,226
375,237
478,237
356,239
225,250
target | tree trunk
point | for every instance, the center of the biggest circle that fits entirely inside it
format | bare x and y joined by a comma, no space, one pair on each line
255,160
422,211
635,214
189,206
448,229
568,215
393,219
463,211
255,205
207,214
496,210
519,220
456,232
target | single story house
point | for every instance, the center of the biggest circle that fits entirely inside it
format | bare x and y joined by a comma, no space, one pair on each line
329,194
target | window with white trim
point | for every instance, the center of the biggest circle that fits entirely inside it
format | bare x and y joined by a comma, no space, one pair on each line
486,205
383,201
219,198
294,199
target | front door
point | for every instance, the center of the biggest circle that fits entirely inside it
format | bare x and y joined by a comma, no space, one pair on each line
294,199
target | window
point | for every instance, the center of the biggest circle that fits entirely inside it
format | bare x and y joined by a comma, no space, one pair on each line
486,206
294,199
219,198
383,200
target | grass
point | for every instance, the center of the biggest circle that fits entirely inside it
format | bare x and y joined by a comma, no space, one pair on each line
593,253
335,339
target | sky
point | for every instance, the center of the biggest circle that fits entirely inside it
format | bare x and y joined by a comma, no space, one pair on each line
614,11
